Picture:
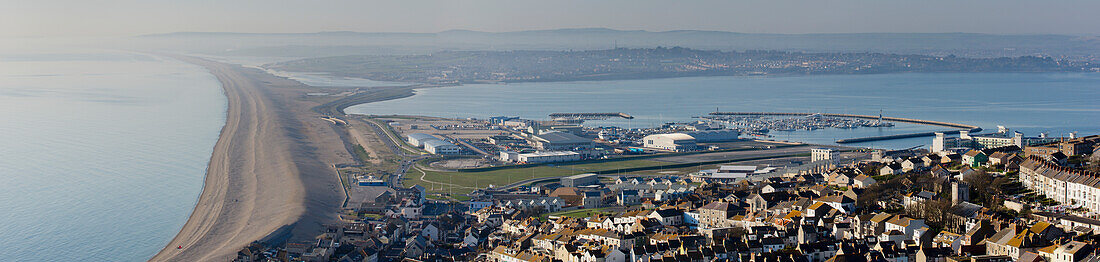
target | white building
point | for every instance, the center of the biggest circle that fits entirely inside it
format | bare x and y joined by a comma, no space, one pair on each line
548,157
550,204
370,181
417,139
441,147
1069,252
509,156
1078,188
820,154
686,141
433,144
1003,137
905,225
670,142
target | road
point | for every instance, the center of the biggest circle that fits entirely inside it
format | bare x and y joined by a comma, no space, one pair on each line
407,160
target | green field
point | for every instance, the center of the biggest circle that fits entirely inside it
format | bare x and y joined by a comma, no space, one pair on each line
464,182
467,181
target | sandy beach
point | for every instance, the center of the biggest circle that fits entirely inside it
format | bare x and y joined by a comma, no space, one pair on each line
271,168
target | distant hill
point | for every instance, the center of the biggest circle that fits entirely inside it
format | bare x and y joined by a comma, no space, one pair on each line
462,67
939,44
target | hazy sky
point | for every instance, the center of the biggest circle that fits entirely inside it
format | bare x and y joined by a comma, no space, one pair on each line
133,17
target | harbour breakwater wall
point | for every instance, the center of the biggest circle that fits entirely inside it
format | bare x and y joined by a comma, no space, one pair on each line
899,136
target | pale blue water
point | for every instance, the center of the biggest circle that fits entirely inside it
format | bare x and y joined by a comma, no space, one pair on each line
102,154
1057,103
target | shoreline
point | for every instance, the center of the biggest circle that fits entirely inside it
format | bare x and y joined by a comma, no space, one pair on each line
267,164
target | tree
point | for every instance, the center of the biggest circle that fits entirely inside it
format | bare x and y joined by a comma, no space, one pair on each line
1094,162
530,212
984,188
998,185
935,212
868,201
883,190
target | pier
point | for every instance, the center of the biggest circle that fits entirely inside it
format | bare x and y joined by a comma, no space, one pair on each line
588,116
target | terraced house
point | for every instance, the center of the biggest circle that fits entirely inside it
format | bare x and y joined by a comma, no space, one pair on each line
1065,185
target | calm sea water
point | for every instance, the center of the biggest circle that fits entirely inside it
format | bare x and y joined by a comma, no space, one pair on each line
102,154
1056,103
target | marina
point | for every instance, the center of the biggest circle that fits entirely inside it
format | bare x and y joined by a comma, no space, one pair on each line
879,118
759,124
581,117
762,124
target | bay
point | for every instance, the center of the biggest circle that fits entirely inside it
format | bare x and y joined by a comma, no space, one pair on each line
1053,103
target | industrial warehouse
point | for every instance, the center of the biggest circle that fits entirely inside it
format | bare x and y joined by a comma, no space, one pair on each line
503,141
688,141
433,144
510,140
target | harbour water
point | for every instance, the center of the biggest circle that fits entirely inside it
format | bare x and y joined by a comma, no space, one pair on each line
102,153
1056,103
